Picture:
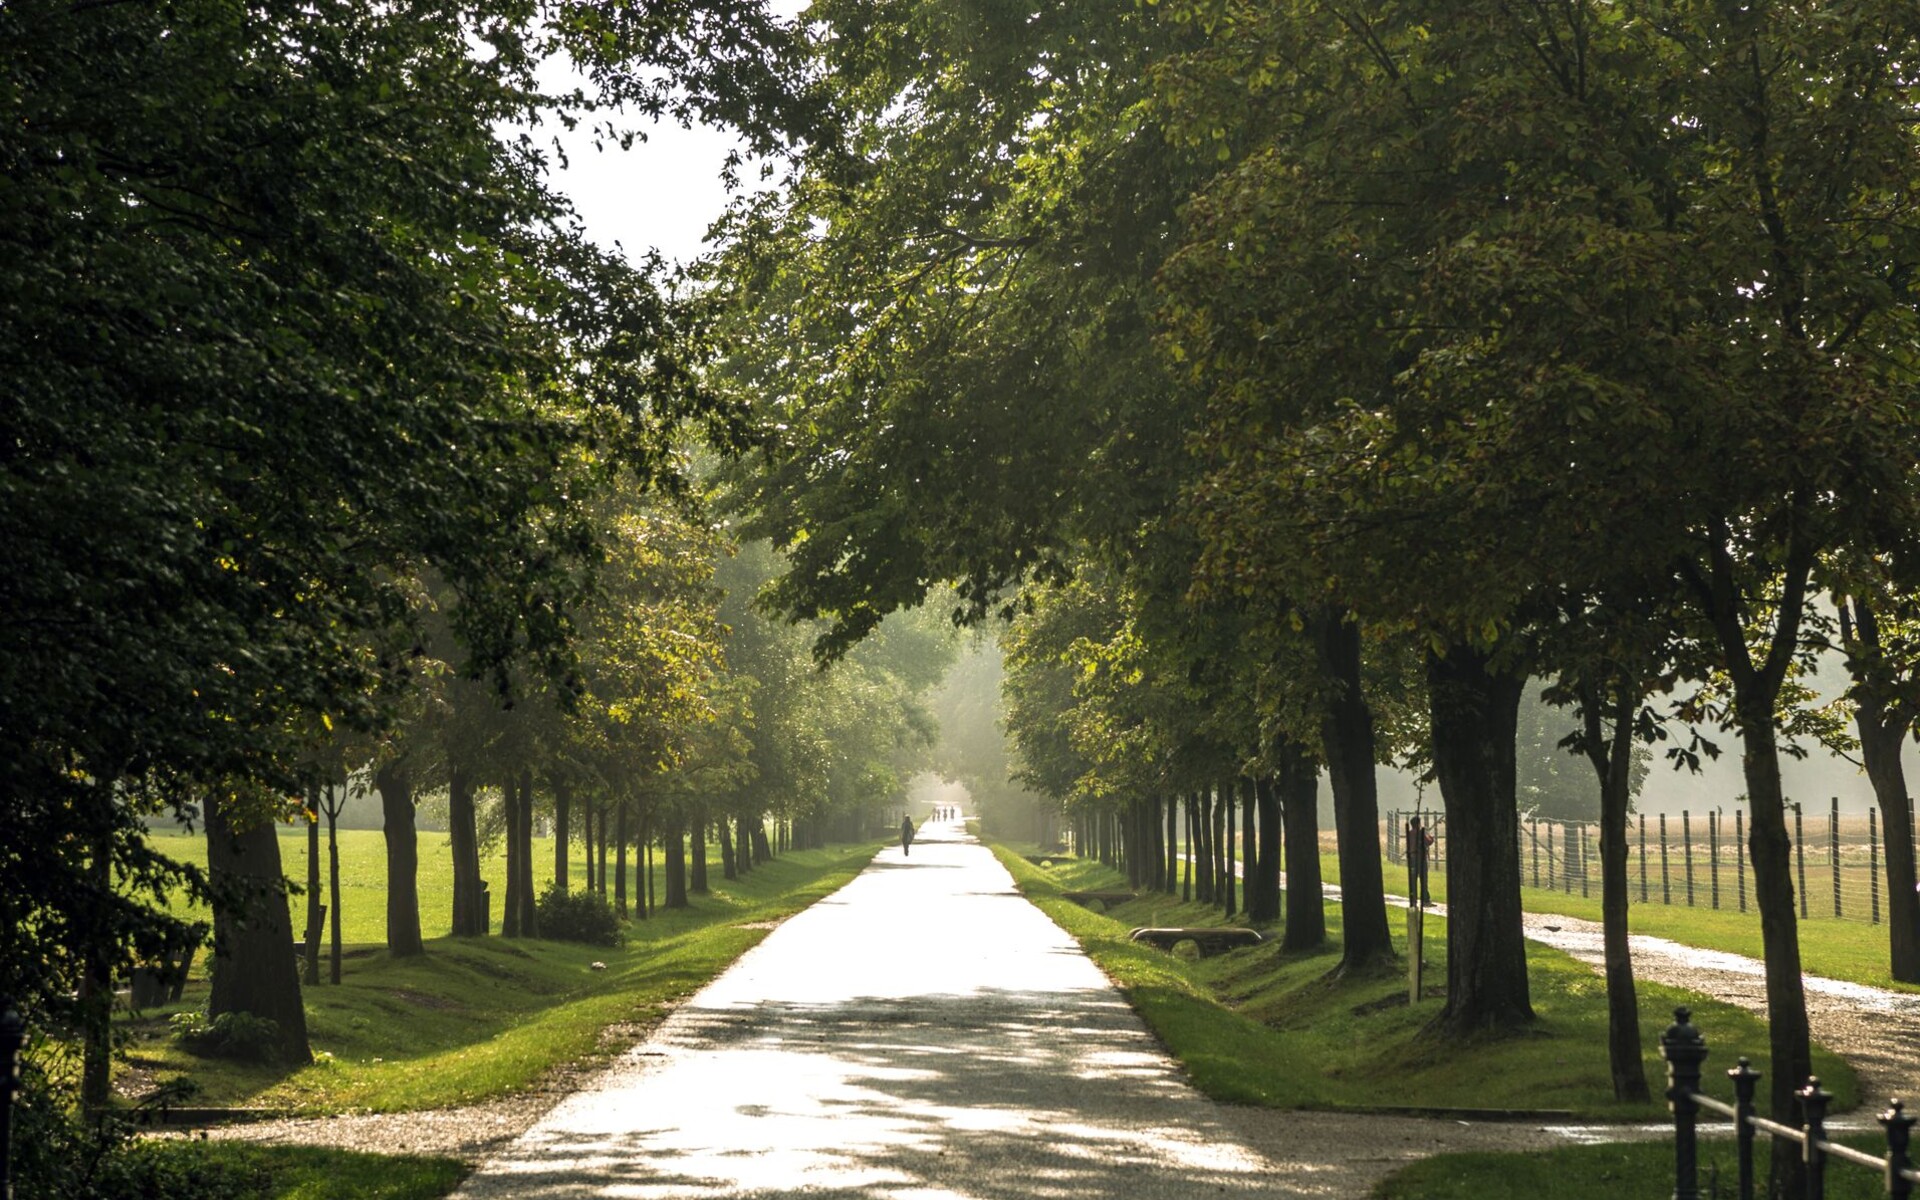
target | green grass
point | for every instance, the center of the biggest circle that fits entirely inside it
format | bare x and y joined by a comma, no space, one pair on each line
1854,951
480,1017
313,1172
1604,1172
363,876
1262,1027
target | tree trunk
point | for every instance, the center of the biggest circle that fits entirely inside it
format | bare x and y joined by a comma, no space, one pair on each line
1299,801
334,954
1883,728
1347,731
529,901
620,860
676,855
1172,878
315,909
698,882
1474,711
1187,808
1263,880
470,915
510,825
761,853
562,834
1612,756
601,845
725,828
254,967
96,987
1229,888
395,785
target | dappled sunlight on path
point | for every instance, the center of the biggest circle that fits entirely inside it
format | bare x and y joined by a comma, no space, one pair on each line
922,1033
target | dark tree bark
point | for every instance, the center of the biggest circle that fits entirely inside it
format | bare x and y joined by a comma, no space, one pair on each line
1209,862
698,853
1186,875
316,910
1612,756
1756,695
725,828
1229,889
1883,728
529,902
1474,710
601,848
761,853
562,833
254,967
334,802
510,822
620,860
395,784
1263,886
1299,799
1347,731
676,856
1172,834
470,915
743,846
96,988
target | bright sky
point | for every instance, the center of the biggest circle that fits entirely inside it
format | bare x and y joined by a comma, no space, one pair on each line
663,193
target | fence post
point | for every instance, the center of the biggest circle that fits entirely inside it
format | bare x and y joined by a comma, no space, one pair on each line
1533,840
1586,868
1713,853
1666,880
1566,857
1800,854
1899,1127
1643,858
1873,863
1746,1081
13,1035
1684,1049
1833,850
1740,855
1686,848
1813,1111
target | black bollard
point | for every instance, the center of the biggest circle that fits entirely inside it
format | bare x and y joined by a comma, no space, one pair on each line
13,1035
1684,1049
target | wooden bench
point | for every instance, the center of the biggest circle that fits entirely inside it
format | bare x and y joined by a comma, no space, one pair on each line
1106,900
1207,939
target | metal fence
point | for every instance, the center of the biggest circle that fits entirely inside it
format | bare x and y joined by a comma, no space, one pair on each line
1686,1050
1697,859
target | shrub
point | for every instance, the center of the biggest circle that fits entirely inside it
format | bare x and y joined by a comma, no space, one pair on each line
578,917
229,1035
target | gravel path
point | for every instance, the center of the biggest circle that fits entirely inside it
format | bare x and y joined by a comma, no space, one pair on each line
925,1033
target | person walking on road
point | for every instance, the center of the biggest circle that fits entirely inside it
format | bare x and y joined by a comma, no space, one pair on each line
906,836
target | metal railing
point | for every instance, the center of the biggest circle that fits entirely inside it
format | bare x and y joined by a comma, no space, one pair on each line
1685,1049
1698,860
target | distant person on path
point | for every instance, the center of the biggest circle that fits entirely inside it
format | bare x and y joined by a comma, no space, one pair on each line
906,836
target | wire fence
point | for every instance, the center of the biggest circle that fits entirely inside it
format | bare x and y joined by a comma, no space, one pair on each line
1696,859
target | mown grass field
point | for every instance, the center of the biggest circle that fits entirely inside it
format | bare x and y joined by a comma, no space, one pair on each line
363,876
1259,1026
481,1017
297,1172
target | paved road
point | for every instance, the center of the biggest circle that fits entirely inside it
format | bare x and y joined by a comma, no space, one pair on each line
926,1034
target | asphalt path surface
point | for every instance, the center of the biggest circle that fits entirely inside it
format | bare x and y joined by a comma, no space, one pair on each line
926,1034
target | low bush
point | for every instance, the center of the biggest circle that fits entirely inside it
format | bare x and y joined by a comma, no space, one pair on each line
578,917
229,1035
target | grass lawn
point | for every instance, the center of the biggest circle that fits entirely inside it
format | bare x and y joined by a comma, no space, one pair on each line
1851,950
1604,1173
363,876
479,1017
305,1172
1258,1026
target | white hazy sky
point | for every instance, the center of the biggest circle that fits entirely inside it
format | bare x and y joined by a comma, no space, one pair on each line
662,193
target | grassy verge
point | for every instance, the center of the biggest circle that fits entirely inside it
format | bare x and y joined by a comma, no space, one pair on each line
481,1017
1603,1172
246,1172
1259,1026
1854,951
